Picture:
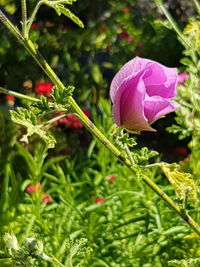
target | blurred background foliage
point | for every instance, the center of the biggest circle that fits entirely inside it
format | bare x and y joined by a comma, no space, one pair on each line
78,190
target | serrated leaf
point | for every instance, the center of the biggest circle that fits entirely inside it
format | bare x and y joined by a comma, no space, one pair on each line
65,11
61,9
182,182
61,95
28,119
183,263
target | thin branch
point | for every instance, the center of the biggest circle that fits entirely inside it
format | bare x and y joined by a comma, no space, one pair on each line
24,19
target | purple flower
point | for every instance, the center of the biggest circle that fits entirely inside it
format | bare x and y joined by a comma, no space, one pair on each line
182,77
141,93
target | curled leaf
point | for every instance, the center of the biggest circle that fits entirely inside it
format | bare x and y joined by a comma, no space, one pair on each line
28,119
182,182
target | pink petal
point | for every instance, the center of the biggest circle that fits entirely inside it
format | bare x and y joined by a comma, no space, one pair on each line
131,67
128,107
161,81
156,107
154,81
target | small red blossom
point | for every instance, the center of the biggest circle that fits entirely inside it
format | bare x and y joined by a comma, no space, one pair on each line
140,44
70,121
111,178
123,35
32,188
10,98
126,10
180,151
130,39
46,198
35,26
100,200
43,88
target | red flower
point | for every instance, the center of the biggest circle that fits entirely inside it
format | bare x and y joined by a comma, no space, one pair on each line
180,151
46,198
123,35
43,88
70,121
35,26
100,200
32,189
111,178
10,98
126,10
140,44
130,39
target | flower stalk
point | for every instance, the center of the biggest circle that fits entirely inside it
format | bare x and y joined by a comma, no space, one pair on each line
88,124
24,19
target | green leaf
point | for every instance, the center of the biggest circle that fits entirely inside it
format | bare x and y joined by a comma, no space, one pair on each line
96,74
182,182
61,95
61,9
28,119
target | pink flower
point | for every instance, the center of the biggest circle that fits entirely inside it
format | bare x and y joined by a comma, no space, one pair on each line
111,178
182,77
100,200
46,198
32,188
141,93
43,88
130,39
10,98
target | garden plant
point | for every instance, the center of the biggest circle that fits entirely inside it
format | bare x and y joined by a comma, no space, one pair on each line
77,188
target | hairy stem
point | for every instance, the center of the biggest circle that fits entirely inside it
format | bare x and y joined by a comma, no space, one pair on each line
18,95
24,19
176,29
94,130
32,17
197,5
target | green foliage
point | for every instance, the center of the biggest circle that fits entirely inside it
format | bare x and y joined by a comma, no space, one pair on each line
61,96
28,119
98,213
61,9
184,263
183,184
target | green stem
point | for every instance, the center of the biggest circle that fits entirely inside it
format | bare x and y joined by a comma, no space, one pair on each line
129,155
53,120
57,262
18,95
176,29
94,130
197,5
32,17
24,19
